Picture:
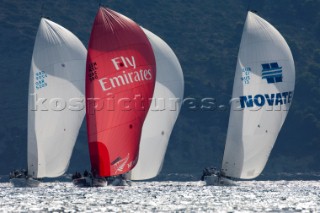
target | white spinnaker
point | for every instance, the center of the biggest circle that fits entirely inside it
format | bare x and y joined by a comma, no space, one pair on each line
56,99
252,132
163,113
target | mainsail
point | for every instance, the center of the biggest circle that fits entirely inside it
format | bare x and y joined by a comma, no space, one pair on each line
262,94
56,102
120,79
163,113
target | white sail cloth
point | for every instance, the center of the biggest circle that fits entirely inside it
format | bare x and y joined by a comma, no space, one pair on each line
262,93
56,99
163,113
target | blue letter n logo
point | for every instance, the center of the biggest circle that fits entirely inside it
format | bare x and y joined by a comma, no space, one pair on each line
272,72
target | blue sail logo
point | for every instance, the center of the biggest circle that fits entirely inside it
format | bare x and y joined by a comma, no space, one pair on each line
40,79
272,72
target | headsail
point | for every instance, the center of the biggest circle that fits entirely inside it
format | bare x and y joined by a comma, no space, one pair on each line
262,94
120,79
163,113
56,102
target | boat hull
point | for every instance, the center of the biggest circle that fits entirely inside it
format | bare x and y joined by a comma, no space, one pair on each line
89,182
98,182
24,182
119,182
211,180
215,180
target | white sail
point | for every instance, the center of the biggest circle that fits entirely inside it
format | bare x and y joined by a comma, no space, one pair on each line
262,94
163,113
56,99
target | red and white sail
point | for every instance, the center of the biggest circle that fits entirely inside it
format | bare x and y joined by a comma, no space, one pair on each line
120,79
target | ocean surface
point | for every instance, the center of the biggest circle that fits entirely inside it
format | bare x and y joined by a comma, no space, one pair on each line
165,196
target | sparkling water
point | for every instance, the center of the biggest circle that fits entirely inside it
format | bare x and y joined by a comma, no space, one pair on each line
164,196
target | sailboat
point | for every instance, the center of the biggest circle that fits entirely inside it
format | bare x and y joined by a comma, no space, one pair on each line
163,113
262,94
56,103
120,80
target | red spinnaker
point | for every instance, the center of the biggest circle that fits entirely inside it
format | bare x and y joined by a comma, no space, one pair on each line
120,79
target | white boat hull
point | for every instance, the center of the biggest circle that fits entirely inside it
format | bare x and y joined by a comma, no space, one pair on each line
24,182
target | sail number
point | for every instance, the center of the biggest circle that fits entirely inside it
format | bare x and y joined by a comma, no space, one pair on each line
246,75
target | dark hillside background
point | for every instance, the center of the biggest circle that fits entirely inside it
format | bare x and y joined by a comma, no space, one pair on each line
205,36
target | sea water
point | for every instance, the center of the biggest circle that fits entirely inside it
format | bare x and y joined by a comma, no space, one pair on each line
165,196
